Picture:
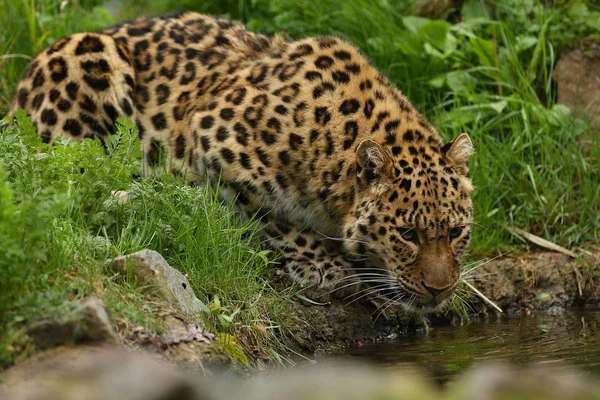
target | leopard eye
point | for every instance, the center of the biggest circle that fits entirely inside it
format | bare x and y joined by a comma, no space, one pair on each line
455,232
409,234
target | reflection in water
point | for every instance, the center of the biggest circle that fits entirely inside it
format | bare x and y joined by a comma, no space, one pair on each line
571,339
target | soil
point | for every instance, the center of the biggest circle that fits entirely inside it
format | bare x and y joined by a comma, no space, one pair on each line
519,284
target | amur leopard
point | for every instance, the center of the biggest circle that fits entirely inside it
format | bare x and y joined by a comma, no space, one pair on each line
351,183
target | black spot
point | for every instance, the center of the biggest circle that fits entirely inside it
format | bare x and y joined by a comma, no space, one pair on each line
241,134
340,77
390,138
236,96
126,106
274,124
99,84
368,108
54,94
95,67
22,97
162,93
301,51
72,89
49,117
267,137
396,150
312,75
180,146
322,115
290,70
58,69
37,101
300,241
326,42
408,136
349,106
263,157
207,122
299,114
393,197
295,141
111,111
353,68
58,46
284,157
342,55
189,75
46,136
228,155
282,181
405,184
227,114
324,62
39,79
350,132
159,121
88,104
258,73
314,135
454,183
72,127
89,44
222,134
205,141
281,109
245,160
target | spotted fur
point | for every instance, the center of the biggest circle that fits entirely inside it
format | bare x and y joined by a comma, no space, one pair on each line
347,177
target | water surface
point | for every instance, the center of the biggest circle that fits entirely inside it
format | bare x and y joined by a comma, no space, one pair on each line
570,339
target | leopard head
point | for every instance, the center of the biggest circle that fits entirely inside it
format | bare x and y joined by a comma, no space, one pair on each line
411,221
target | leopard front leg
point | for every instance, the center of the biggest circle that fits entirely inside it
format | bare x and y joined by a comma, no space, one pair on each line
311,260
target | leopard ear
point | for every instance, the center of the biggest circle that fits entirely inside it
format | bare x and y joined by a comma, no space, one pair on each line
458,152
372,161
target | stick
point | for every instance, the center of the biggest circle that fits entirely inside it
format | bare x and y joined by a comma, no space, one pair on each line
541,242
478,293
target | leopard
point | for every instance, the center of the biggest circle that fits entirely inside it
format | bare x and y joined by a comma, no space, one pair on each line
351,185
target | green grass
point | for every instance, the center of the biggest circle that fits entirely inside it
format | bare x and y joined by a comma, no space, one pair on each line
536,165
59,224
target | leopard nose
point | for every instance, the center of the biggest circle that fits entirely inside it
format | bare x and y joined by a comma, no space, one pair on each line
435,292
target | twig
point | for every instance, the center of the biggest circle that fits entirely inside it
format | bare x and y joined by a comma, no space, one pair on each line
541,242
578,278
483,297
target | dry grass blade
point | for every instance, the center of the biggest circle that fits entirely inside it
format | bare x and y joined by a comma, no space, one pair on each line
541,242
483,297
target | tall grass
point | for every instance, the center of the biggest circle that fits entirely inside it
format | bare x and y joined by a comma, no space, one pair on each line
59,224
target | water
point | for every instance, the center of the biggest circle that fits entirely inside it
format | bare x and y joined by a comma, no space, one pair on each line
568,340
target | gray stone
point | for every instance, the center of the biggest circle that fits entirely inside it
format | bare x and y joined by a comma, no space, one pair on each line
151,269
84,321
577,74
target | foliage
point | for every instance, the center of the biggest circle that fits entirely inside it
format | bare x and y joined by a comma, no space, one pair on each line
59,222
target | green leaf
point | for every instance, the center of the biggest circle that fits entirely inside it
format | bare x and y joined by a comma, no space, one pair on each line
435,33
484,49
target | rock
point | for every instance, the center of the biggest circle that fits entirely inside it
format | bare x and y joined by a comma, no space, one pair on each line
502,381
577,74
116,374
181,331
86,321
97,375
150,268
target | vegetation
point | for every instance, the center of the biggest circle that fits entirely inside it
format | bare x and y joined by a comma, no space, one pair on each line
487,70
